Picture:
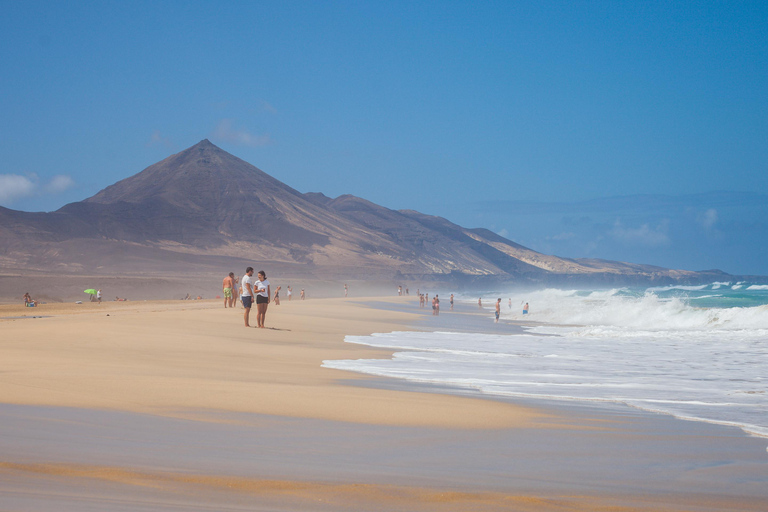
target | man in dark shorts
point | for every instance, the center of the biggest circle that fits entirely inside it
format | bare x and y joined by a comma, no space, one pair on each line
247,294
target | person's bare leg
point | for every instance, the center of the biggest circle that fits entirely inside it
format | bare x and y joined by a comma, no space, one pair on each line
261,315
246,316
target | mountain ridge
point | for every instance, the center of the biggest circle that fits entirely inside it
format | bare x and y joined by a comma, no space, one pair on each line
203,203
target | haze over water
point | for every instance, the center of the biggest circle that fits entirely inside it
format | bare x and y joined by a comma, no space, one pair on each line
698,352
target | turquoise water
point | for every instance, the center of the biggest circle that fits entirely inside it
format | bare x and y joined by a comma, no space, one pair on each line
695,352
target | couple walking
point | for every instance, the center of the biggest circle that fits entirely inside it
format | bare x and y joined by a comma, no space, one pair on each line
255,287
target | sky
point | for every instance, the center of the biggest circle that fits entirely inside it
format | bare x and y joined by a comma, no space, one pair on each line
635,131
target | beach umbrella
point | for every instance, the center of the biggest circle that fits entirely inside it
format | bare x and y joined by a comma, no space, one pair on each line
90,291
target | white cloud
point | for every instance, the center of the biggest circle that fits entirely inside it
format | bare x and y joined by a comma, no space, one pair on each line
708,219
644,235
59,183
158,138
13,187
228,132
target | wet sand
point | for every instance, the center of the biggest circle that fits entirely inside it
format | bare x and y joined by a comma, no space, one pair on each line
176,406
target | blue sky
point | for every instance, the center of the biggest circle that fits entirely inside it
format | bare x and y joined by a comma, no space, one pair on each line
472,111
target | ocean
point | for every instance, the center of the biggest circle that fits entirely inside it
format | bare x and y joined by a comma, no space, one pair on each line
694,352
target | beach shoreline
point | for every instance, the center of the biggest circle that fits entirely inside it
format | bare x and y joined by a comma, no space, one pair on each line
220,401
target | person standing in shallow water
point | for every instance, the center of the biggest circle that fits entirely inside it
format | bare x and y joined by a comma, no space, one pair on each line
498,309
262,292
525,309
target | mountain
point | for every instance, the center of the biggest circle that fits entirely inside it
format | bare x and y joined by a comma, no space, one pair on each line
206,210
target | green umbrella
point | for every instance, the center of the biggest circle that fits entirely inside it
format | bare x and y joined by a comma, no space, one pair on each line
90,291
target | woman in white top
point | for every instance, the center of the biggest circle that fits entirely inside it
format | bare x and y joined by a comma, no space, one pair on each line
263,292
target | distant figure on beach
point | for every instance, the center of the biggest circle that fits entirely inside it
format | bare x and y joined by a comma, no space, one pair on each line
98,296
510,303
289,292
187,297
451,302
235,290
421,301
246,287
525,309
302,294
28,301
226,286
346,289
406,291
498,309
400,290
263,292
437,305
276,299
480,303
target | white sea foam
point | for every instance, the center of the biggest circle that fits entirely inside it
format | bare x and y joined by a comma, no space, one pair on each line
642,348
648,312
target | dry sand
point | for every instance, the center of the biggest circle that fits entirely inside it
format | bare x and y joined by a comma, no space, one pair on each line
168,405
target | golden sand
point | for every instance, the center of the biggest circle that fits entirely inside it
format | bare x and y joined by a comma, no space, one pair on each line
196,360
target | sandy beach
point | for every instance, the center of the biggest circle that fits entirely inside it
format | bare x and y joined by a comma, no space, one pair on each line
175,405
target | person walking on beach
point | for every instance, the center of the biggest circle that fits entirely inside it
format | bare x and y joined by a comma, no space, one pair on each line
289,292
346,289
480,303
226,287
98,296
451,302
302,294
276,299
235,290
437,305
525,309
262,292
498,309
246,287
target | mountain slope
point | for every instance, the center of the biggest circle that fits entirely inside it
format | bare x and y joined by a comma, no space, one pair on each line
203,206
